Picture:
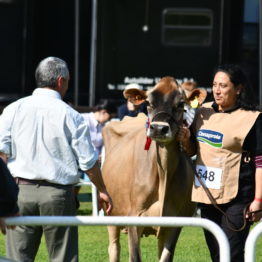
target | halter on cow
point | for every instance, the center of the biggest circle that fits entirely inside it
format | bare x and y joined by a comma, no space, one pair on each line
153,182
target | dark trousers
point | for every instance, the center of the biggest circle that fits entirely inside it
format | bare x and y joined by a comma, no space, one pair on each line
234,212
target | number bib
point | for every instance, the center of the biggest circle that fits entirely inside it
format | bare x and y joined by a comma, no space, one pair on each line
210,176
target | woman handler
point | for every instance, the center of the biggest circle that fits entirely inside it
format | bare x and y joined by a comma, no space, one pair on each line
226,137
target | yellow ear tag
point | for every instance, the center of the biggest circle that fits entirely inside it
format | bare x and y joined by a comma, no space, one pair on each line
194,103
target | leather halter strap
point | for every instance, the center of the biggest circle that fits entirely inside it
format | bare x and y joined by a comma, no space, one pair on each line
163,113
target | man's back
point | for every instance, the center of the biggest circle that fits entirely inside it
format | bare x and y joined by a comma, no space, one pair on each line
43,129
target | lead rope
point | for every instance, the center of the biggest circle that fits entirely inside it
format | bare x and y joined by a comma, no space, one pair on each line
213,201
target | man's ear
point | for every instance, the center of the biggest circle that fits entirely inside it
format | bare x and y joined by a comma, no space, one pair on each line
197,97
59,82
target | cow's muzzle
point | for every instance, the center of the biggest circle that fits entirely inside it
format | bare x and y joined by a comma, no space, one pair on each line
160,127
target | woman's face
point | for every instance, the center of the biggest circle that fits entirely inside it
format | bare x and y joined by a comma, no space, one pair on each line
103,116
224,91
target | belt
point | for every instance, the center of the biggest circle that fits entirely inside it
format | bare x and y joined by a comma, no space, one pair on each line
24,181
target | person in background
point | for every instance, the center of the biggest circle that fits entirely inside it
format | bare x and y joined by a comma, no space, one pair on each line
226,138
8,196
96,120
135,102
188,86
44,141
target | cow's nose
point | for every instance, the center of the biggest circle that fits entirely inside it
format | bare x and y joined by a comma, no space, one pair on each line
158,129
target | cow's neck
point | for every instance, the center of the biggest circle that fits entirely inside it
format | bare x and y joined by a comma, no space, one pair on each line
167,159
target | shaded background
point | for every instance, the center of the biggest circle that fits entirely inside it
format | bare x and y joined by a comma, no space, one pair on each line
184,39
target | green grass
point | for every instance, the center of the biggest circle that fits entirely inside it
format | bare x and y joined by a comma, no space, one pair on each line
93,242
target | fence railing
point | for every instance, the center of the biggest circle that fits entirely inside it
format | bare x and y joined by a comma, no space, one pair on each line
250,246
129,221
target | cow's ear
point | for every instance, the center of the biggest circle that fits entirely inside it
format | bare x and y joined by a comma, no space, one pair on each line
197,97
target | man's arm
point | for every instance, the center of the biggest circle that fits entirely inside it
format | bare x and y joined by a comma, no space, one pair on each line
95,176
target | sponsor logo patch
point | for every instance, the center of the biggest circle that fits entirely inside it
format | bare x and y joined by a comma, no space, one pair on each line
210,137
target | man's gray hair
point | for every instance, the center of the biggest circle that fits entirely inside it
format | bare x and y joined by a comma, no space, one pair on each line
49,70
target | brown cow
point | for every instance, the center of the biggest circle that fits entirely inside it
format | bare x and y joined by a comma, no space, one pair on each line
154,182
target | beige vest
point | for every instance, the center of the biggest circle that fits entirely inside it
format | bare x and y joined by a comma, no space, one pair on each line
220,137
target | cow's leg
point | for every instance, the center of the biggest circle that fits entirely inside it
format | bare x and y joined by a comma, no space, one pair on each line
134,235
114,243
167,243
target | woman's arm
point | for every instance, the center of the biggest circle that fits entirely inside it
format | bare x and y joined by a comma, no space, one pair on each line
256,204
253,144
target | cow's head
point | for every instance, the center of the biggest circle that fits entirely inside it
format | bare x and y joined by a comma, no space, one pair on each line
165,110
166,106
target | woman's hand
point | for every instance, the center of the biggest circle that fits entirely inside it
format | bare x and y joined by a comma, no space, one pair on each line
183,135
254,206
188,144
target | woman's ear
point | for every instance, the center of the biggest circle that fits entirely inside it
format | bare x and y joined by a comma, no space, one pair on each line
238,89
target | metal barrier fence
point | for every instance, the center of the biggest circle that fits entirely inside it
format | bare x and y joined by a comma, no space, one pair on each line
129,221
95,211
250,246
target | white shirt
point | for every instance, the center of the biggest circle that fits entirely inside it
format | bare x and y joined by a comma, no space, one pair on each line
95,131
45,139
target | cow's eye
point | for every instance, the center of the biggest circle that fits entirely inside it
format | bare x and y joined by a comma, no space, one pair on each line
149,105
180,104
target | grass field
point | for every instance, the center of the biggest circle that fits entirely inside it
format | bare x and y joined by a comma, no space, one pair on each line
93,242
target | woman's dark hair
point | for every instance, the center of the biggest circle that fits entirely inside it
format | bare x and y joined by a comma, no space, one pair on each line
246,99
106,104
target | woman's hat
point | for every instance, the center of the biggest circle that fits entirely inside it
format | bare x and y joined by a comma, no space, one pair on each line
134,90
